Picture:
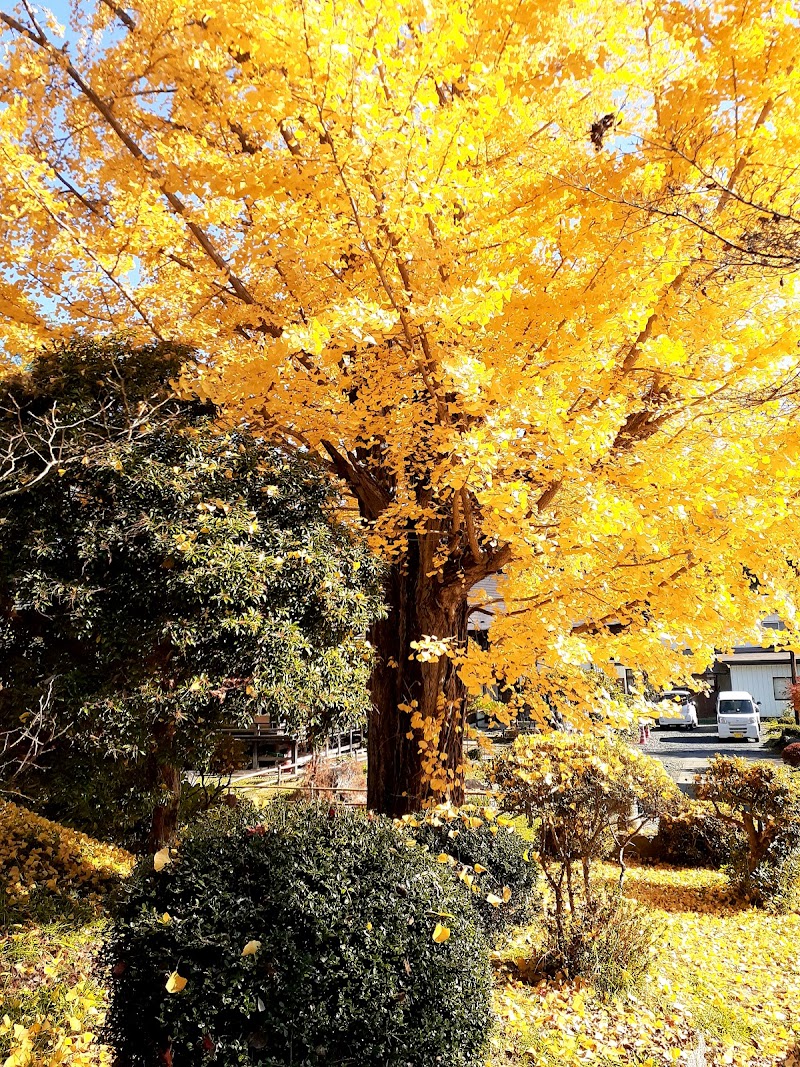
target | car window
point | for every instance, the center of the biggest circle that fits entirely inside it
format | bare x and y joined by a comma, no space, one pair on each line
736,707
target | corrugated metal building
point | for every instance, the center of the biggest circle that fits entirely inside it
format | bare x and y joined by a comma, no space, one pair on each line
764,674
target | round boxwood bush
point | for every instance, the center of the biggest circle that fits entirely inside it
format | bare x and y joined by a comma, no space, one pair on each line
317,937
493,853
693,837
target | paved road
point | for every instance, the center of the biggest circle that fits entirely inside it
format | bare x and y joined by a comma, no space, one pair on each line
685,752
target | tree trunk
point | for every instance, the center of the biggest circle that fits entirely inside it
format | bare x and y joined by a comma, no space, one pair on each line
165,816
416,729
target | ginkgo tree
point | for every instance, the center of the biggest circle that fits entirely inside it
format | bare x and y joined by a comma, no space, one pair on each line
523,274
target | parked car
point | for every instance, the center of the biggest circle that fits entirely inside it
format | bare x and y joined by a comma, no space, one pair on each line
738,715
676,708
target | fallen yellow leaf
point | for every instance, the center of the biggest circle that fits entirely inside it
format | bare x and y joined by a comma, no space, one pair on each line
175,983
161,859
440,933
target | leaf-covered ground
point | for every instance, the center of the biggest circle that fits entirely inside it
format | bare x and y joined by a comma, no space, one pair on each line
54,883
725,980
52,999
728,974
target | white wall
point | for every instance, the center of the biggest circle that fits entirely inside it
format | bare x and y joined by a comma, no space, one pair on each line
756,679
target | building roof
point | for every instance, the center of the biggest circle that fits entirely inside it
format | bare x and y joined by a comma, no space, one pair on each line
739,658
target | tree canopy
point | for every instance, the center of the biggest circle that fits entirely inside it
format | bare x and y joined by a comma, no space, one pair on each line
176,580
523,274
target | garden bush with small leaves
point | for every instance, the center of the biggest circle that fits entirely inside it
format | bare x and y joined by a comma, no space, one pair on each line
492,854
761,803
318,936
693,837
791,754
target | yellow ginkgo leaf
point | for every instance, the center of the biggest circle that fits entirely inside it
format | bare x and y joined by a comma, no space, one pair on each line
251,948
166,918
444,858
479,868
175,983
494,899
506,894
440,933
161,859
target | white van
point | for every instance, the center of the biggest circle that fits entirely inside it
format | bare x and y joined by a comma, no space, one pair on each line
738,716
676,708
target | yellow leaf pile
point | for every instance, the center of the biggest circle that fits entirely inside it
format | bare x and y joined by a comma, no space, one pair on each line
52,1001
37,854
728,974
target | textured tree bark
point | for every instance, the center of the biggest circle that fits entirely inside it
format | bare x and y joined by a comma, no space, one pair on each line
165,816
398,781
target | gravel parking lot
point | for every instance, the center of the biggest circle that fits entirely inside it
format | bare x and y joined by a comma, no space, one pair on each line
685,752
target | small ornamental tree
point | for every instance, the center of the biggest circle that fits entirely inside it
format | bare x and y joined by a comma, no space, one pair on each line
761,800
794,700
160,579
584,795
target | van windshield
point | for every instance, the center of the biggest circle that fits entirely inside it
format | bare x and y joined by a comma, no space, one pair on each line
735,707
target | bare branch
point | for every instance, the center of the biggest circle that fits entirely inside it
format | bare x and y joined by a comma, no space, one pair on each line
22,749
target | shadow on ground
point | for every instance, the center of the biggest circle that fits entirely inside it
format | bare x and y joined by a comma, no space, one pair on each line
677,898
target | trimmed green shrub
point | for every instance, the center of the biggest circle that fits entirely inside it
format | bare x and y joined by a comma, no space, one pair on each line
778,733
694,837
317,937
502,859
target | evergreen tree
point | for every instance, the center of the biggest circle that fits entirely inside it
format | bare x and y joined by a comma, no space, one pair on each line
161,579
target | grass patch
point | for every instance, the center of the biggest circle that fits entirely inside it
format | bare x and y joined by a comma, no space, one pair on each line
53,998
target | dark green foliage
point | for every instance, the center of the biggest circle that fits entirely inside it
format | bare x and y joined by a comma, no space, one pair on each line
110,799
347,971
694,837
774,881
165,579
499,849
